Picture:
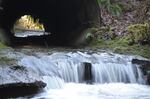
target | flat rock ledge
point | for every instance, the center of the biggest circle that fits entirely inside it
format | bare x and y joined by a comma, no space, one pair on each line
20,89
17,81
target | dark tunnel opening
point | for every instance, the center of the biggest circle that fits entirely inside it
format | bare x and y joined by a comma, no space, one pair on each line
64,19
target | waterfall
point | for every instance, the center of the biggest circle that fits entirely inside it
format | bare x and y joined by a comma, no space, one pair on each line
62,67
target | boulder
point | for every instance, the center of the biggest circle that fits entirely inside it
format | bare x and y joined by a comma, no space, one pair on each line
16,81
144,64
145,67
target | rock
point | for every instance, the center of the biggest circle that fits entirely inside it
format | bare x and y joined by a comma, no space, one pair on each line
88,72
144,64
20,89
141,62
16,81
144,42
148,77
145,67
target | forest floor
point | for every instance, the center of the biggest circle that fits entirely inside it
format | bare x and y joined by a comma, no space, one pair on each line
119,25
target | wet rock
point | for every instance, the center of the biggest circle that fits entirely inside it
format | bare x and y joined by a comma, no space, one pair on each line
144,64
16,81
145,67
88,72
148,77
140,62
20,89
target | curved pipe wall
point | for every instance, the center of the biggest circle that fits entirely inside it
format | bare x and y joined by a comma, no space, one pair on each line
65,19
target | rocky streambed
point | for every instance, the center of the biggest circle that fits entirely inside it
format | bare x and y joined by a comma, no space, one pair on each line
17,80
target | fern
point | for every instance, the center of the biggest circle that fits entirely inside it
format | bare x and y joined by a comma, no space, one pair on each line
114,9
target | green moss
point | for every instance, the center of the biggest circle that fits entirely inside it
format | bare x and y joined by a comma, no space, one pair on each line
7,60
120,45
139,32
103,33
128,44
2,46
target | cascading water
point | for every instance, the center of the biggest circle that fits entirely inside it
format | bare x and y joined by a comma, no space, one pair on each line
69,66
65,70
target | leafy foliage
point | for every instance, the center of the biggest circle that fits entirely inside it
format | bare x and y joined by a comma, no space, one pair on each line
102,33
28,22
130,41
113,8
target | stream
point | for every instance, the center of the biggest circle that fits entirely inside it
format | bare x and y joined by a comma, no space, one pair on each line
79,74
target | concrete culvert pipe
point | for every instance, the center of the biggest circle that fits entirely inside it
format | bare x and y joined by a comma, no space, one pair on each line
65,19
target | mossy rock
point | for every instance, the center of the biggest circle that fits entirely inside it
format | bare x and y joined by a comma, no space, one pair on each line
8,61
2,46
139,32
121,45
104,33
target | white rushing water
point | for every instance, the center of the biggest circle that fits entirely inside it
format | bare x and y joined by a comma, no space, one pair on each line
100,91
113,76
105,68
